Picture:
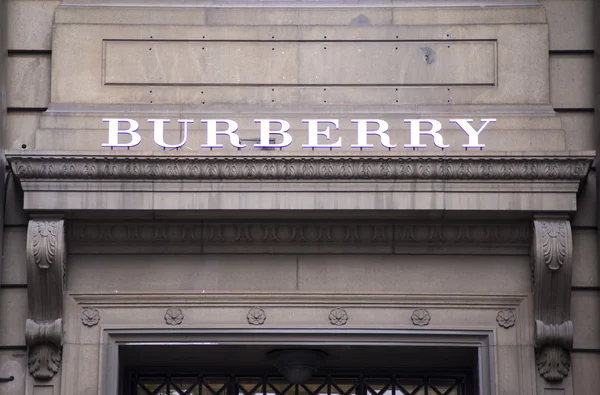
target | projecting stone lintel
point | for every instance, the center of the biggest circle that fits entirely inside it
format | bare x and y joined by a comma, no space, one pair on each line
273,181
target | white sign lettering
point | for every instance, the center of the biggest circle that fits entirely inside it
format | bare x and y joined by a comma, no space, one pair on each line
159,132
275,133
212,132
114,132
363,131
473,135
416,132
314,133
266,132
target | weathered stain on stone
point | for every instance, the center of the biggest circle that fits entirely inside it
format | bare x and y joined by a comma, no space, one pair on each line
362,19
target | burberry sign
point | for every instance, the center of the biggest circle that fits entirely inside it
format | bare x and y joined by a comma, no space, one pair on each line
318,133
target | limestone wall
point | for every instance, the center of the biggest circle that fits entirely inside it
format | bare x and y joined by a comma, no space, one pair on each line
529,66
571,44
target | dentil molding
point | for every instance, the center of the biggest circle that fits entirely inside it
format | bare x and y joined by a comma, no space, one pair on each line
552,255
46,261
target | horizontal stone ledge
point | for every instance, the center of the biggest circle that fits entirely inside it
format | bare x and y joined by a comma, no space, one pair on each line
513,199
274,165
193,299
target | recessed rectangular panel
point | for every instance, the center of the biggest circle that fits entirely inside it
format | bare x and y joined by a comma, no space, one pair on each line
398,63
198,63
300,63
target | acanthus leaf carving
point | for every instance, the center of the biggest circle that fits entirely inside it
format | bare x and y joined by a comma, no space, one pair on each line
45,342
301,168
553,362
554,243
43,239
46,261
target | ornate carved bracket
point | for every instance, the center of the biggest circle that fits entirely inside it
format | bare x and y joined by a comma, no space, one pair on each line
46,260
552,253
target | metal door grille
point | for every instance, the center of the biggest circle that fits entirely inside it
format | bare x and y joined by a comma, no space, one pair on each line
174,384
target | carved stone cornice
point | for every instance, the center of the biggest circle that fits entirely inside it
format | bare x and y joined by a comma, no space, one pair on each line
300,237
279,181
552,253
46,260
277,167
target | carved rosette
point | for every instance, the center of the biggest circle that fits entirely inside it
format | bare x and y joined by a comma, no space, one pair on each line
506,318
420,317
90,316
552,252
174,316
256,316
46,261
338,317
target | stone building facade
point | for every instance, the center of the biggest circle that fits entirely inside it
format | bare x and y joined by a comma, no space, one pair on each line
299,197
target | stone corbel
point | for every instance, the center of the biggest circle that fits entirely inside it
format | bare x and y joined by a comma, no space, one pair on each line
552,253
46,261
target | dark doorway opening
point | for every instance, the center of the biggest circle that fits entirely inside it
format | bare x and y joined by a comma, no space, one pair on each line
212,369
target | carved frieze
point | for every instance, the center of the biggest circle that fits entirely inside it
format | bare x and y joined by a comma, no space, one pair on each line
450,167
296,236
552,252
46,260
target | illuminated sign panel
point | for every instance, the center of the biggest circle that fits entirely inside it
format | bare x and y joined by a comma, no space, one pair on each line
123,132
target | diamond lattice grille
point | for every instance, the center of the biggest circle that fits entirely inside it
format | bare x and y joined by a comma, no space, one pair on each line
167,384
